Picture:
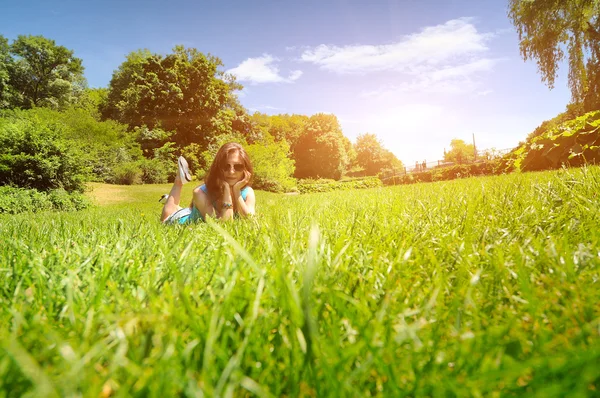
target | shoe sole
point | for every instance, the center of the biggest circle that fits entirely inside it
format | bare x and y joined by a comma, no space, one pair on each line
184,170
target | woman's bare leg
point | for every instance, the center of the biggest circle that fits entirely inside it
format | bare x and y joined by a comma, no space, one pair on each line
172,203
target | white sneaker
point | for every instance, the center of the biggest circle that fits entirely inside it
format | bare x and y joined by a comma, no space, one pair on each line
183,170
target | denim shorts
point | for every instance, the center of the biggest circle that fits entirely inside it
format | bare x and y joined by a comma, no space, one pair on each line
183,216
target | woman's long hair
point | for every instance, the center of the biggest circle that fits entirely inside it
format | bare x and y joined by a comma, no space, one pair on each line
214,177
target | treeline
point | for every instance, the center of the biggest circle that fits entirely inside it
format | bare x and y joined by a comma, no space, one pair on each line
155,108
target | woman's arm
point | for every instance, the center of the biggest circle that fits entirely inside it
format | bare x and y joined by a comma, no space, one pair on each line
202,202
225,206
220,209
244,208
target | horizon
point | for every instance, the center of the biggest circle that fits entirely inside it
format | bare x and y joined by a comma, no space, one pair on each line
412,73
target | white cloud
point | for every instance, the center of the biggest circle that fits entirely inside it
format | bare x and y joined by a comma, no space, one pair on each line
262,70
295,75
449,79
266,108
484,93
433,47
447,58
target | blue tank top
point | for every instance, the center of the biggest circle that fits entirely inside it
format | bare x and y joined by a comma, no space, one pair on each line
195,214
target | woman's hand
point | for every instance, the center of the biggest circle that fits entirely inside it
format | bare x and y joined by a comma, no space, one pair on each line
225,187
237,187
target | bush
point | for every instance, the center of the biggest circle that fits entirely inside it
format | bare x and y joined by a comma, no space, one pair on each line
571,143
491,167
273,169
327,185
155,171
99,145
19,200
144,171
35,155
129,173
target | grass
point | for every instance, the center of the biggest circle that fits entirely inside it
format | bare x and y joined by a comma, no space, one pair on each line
477,287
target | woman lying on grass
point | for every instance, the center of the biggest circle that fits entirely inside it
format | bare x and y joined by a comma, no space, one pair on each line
226,192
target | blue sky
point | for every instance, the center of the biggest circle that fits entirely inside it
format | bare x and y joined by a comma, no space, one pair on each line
415,73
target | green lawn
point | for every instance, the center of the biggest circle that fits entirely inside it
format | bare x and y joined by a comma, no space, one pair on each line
477,287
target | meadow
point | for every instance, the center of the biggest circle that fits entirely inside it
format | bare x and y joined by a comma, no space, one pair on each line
477,287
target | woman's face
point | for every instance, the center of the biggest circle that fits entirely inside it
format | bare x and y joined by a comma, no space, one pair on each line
233,168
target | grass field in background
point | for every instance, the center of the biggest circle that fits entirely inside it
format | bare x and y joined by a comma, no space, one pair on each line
477,287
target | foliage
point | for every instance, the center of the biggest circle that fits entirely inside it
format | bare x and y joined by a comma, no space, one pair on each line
20,200
480,168
281,127
40,73
127,173
151,140
183,92
573,111
100,145
574,143
328,185
322,150
460,152
372,156
155,171
193,154
547,28
273,169
91,100
37,154
6,90
460,288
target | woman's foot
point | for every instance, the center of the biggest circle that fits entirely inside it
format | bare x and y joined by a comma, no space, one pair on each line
183,170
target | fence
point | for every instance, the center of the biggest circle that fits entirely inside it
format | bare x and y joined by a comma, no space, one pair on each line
419,167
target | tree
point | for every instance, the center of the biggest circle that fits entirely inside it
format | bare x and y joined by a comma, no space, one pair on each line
40,73
6,91
460,152
547,28
273,169
283,127
184,92
91,100
372,156
321,151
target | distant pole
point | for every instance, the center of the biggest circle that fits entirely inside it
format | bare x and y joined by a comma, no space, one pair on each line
474,149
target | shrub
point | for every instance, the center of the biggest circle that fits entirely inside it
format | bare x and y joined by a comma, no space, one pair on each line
61,200
18,200
100,145
36,155
491,167
154,171
129,173
327,185
273,169
572,143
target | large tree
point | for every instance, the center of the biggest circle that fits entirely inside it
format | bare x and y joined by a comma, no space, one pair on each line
372,156
282,127
322,149
5,60
184,92
548,28
40,73
460,152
